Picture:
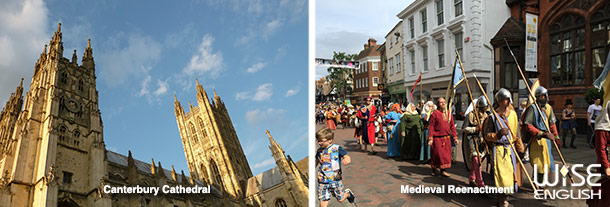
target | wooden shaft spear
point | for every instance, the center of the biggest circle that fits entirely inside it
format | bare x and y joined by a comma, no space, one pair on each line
510,141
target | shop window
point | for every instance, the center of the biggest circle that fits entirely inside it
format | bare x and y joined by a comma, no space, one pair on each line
568,51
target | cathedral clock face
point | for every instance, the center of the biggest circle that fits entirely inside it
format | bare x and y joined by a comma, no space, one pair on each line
73,105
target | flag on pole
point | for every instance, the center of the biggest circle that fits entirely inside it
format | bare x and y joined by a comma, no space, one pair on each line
456,79
602,83
413,88
531,100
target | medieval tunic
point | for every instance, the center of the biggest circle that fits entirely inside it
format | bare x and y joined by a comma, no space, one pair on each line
394,135
540,148
368,125
472,137
441,129
505,168
412,125
330,119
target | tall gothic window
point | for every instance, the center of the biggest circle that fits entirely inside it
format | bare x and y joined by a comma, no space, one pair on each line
600,41
81,84
62,133
568,51
203,130
216,174
193,133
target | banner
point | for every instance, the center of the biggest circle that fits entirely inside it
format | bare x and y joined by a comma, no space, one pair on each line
414,85
337,63
531,42
456,79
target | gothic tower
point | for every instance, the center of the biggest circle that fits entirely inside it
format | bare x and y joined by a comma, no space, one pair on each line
297,182
55,154
212,149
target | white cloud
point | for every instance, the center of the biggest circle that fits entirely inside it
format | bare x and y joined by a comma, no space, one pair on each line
264,163
271,27
24,30
265,115
118,64
144,89
256,67
163,86
205,62
293,91
280,53
263,92
242,96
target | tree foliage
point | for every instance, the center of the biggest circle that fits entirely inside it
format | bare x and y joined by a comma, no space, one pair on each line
339,77
592,94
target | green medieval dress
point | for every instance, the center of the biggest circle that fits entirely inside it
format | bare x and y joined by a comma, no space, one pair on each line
412,126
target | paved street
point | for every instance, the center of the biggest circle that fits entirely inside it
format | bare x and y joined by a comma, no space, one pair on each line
376,179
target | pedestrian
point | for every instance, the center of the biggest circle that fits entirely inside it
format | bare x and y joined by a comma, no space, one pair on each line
330,118
393,135
411,130
474,140
368,115
602,142
592,113
442,130
540,137
330,158
501,132
568,125
427,110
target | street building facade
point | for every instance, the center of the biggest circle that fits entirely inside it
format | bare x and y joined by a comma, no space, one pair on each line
368,76
394,64
433,30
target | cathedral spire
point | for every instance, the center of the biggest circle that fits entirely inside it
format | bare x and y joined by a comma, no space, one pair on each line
161,171
201,94
74,58
87,61
174,177
152,166
271,140
56,46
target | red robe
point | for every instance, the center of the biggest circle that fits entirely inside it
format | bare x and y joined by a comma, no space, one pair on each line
370,125
440,131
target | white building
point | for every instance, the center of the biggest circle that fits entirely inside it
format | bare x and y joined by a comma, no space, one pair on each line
434,29
394,63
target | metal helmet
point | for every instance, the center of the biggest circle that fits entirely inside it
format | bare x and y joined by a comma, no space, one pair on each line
541,91
482,102
503,94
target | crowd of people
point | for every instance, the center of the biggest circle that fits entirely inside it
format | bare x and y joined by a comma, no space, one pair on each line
507,137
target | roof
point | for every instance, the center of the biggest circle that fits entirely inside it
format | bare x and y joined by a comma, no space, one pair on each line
371,51
399,31
267,179
144,168
510,30
303,165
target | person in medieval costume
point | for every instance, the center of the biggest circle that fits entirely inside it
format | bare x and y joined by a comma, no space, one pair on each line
442,130
474,140
540,137
602,143
393,134
368,115
427,110
330,118
501,132
411,129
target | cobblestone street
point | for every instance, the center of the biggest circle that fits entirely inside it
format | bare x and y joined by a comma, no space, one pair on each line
376,179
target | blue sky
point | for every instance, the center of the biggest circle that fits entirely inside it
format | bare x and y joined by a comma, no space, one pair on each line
346,25
254,53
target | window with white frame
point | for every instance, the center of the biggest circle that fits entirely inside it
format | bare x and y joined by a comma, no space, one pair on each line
412,52
424,21
375,65
439,12
375,81
366,67
412,27
458,43
366,82
391,63
424,50
398,69
458,7
441,52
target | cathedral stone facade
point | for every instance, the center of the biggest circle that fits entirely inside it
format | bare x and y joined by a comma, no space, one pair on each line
52,150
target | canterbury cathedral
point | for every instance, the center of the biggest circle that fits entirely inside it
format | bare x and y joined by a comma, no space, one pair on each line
52,150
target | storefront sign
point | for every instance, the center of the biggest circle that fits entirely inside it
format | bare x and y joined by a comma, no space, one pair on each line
531,43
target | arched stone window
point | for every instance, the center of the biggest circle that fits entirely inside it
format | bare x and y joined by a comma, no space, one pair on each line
567,63
203,130
216,174
193,133
280,203
62,133
81,84
204,174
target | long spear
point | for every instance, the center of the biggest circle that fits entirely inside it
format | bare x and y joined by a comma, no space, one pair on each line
538,107
510,141
476,114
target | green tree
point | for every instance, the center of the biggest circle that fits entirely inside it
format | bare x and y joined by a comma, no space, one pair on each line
592,94
339,77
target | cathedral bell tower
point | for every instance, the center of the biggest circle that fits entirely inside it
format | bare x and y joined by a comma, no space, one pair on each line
212,149
55,154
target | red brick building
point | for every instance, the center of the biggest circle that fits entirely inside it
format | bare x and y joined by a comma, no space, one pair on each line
368,76
573,42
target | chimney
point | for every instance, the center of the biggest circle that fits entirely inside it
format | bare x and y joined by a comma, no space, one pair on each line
366,46
372,42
